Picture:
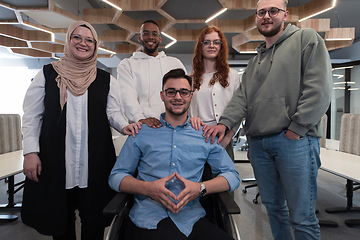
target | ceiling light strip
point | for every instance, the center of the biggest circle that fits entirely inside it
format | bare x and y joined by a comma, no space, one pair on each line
215,15
106,50
342,68
339,39
325,10
37,28
344,83
338,75
40,29
248,52
113,5
168,36
9,22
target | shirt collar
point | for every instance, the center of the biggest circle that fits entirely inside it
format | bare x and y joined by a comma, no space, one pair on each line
166,124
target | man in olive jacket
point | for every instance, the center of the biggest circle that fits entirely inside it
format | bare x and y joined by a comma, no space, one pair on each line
285,91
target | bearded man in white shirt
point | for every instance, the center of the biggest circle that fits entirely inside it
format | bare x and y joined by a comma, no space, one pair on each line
140,77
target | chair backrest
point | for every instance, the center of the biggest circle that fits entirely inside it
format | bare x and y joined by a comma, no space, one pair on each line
324,128
357,135
349,133
10,133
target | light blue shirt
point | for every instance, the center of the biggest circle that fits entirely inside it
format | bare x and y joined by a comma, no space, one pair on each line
158,153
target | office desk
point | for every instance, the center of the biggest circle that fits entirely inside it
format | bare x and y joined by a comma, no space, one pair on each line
344,165
10,164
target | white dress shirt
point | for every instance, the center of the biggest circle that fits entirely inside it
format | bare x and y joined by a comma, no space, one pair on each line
76,151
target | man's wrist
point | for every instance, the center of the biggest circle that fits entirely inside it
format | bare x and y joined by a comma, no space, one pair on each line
202,189
222,125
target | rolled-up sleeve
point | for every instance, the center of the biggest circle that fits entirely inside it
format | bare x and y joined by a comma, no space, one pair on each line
222,165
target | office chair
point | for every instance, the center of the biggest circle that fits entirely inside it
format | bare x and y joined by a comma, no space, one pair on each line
255,200
219,208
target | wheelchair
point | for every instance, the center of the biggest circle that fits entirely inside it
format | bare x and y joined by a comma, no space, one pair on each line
219,209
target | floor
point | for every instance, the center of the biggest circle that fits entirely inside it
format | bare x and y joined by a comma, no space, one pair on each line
252,222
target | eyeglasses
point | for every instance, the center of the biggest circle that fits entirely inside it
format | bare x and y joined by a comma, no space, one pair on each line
78,39
147,34
208,43
273,12
171,92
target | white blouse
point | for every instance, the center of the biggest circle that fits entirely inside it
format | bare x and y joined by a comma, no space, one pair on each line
76,153
210,102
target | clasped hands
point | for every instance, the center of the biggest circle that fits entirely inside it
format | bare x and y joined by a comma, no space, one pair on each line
158,192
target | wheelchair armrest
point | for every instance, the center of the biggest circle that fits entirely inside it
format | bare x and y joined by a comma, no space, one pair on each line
228,203
116,204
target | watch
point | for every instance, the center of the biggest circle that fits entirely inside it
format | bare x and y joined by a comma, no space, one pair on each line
202,189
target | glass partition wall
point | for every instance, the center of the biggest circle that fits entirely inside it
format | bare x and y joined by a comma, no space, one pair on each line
345,95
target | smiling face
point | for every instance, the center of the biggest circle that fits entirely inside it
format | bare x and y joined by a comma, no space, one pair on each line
150,38
176,106
81,50
211,51
271,26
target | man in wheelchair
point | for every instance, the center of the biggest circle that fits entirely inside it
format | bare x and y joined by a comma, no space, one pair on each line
170,161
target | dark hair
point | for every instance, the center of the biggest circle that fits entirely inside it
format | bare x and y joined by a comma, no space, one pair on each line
150,21
85,26
176,73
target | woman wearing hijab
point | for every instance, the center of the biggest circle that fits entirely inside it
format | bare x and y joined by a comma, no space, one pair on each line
214,83
68,148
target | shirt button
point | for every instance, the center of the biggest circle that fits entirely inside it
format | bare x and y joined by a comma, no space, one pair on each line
174,130
217,115
214,94
173,164
172,180
215,105
174,146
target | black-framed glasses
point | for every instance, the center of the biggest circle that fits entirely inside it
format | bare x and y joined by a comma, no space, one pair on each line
171,92
208,42
78,39
273,12
146,33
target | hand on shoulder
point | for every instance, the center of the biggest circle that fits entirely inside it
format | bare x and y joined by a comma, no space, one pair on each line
151,122
132,128
213,131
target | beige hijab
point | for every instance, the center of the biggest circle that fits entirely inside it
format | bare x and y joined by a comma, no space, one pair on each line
73,74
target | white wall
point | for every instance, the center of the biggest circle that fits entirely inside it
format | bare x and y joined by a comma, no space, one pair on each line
14,82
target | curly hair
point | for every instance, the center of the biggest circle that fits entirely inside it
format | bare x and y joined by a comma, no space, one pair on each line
222,67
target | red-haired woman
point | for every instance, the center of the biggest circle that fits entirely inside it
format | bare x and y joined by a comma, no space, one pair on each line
214,83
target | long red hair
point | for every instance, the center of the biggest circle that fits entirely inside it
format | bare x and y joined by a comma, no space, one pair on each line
222,67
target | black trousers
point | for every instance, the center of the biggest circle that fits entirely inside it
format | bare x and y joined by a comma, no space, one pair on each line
166,229
76,199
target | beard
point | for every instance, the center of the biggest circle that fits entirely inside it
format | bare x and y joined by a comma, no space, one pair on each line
171,111
275,30
150,50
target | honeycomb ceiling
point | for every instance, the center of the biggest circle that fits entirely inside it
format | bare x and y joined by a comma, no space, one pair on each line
37,28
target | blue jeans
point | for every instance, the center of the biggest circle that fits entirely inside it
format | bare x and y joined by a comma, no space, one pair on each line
286,172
